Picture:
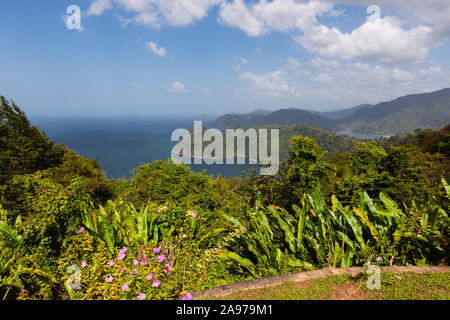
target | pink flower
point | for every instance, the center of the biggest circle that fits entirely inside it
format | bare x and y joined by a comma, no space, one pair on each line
167,268
192,214
110,263
136,271
141,296
109,279
81,230
188,296
156,284
367,263
161,258
84,264
379,259
398,278
135,262
122,254
122,270
150,276
157,250
125,287
144,263
161,209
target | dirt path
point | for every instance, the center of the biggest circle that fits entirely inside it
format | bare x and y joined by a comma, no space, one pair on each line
223,291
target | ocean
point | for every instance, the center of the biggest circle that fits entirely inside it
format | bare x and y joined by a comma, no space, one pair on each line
123,144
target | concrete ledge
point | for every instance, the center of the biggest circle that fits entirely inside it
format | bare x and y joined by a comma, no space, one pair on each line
223,291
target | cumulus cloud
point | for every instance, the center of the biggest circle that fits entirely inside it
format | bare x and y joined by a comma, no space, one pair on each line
273,83
432,12
153,46
380,40
262,17
158,13
98,7
326,84
177,87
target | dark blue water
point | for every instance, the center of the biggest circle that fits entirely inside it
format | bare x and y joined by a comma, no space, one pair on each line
122,144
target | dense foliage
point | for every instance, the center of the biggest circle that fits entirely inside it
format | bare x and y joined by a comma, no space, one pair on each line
68,232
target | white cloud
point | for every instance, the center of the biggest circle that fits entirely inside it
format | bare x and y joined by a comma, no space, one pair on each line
98,7
153,46
273,83
260,18
158,13
433,12
385,40
137,84
240,61
177,87
381,40
293,63
327,84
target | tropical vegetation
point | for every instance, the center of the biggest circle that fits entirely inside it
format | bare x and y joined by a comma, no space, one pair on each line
69,232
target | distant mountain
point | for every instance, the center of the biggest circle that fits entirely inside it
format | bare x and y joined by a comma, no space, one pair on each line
396,117
262,112
280,117
400,116
335,115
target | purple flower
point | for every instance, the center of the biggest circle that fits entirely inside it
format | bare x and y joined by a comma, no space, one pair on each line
144,263
122,254
161,258
150,276
141,296
135,262
84,264
188,296
81,230
379,259
110,263
157,250
156,284
109,279
398,278
367,263
125,287
167,268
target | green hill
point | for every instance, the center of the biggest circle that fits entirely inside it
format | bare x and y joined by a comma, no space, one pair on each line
397,117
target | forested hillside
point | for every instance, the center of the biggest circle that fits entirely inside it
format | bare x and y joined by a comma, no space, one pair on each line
396,117
67,232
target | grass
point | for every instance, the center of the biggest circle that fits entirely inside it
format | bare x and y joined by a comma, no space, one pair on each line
410,286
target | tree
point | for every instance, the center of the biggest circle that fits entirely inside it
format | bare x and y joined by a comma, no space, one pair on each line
23,147
303,171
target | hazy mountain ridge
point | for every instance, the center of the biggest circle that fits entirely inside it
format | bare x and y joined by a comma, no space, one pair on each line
399,116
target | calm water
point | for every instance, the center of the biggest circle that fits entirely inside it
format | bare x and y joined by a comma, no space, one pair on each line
122,144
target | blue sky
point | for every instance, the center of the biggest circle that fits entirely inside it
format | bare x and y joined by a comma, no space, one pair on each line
193,57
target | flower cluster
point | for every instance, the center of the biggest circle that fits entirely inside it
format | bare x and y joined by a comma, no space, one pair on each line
129,276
